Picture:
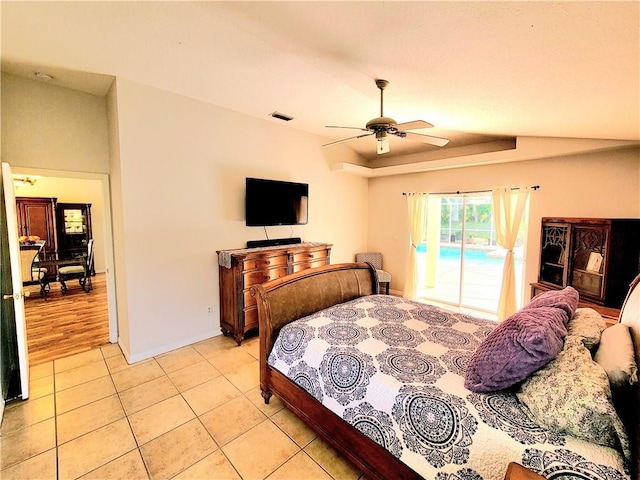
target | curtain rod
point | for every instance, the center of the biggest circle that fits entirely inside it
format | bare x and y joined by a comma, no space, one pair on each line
534,187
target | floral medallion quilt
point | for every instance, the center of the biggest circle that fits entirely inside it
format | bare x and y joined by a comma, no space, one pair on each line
394,369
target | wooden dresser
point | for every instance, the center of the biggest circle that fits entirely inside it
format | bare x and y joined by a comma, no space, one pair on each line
243,268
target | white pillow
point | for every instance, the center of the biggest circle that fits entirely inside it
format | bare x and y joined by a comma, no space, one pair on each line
615,354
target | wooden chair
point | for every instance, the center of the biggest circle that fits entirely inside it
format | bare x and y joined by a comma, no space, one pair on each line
81,271
375,259
32,273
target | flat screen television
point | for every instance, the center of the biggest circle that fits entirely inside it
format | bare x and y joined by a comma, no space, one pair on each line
274,202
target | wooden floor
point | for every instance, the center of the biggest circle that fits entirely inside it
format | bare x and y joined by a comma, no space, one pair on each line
63,325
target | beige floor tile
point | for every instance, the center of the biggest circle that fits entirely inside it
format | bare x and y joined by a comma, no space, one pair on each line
269,409
83,394
232,419
230,359
79,375
28,442
136,374
300,467
245,377
193,375
265,442
77,360
158,419
214,466
294,427
88,452
41,466
41,370
111,350
211,394
331,461
40,387
216,344
87,418
177,450
252,346
180,358
129,466
147,394
116,363
19,414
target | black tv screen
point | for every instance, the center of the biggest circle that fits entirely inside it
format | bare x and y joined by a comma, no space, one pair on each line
274,202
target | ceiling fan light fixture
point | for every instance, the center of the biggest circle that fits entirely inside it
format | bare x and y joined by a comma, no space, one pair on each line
382,143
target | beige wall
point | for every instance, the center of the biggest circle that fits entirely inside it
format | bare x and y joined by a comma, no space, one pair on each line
603,184
53,127
180,197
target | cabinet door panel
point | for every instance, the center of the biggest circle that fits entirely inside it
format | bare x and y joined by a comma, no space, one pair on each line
589,260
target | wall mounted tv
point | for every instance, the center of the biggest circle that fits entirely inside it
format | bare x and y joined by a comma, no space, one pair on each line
274,202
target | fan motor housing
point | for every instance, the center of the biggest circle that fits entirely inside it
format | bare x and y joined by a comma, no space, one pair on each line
380,123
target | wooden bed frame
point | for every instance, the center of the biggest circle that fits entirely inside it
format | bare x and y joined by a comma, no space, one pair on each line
294,296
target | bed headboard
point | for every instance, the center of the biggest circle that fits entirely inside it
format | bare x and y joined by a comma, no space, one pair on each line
300,294
311,290
630,316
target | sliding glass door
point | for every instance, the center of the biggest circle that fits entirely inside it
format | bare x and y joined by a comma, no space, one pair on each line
460,263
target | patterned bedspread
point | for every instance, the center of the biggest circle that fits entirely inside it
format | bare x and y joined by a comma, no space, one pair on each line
394,369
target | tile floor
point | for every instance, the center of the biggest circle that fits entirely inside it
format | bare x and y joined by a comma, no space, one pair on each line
193,413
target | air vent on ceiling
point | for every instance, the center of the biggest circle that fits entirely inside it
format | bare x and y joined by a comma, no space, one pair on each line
281,116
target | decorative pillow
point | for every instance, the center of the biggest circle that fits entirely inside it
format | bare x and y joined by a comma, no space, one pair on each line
615,354
520,345
588,324
572,395
566,299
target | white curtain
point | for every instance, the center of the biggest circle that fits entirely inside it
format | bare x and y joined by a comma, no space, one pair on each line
508,208
417,207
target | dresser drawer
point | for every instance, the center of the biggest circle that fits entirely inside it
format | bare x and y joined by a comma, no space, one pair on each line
260,263
261,276
249,267
250,318
313,264
309,256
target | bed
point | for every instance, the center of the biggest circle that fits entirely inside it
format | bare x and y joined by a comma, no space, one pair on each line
320,333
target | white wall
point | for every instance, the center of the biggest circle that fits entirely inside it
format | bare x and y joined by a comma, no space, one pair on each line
182,167
604,184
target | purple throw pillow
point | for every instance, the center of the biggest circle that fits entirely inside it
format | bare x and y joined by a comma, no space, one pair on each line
517,347
566,299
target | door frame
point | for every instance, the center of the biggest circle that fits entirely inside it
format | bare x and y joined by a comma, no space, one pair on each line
16,279
109,257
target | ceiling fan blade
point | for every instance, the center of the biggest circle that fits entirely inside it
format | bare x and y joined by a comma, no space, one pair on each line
352,128
415,125
418,137
350,138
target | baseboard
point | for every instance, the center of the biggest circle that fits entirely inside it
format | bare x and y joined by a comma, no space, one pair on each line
273,243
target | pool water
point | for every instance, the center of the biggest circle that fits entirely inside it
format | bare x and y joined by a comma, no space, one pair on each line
453,253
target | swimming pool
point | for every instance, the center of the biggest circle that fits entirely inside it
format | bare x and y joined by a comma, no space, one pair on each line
470,253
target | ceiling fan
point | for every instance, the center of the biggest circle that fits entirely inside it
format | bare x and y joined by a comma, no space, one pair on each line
382,126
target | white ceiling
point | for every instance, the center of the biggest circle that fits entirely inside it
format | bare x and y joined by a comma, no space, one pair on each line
500,69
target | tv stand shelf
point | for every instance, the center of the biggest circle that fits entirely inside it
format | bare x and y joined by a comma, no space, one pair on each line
240,269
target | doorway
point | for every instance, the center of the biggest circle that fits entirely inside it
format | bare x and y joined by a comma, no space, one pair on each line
81,319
